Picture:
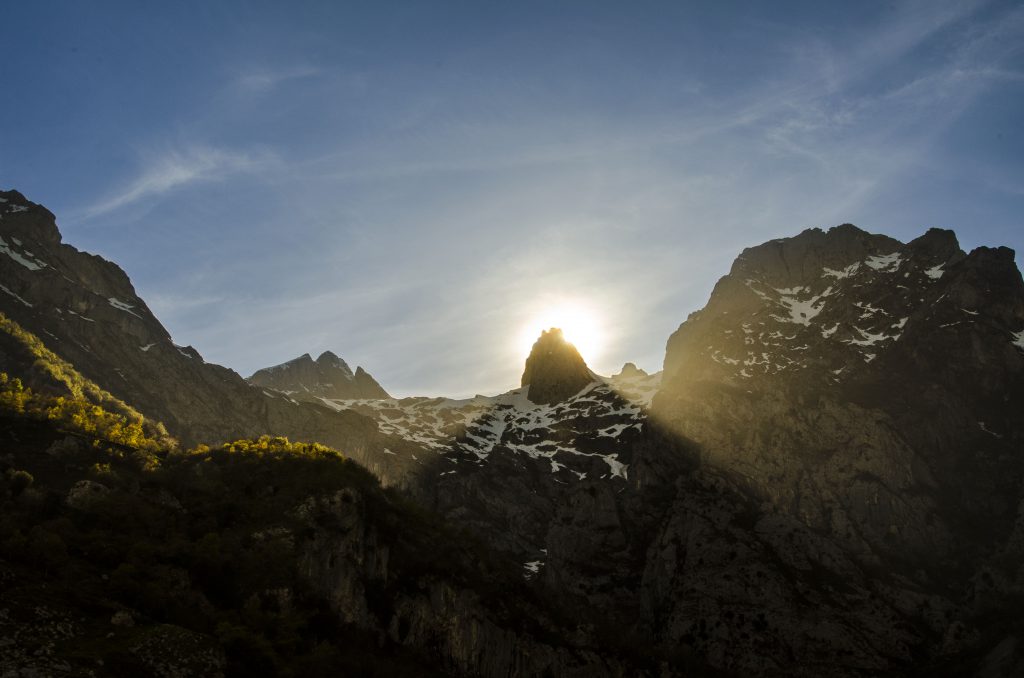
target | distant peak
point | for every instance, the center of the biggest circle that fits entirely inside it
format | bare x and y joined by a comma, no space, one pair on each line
329,358
631,370
328,376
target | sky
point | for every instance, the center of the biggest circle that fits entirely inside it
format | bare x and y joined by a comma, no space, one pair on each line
411,184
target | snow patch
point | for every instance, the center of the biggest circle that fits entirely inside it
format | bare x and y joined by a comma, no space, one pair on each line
15,295
935,272
1018,339
719,358
532,568
145,349
802,311
987,430
81,316
869,338
618,469
122,306
884,262
30,264
844,273
868,309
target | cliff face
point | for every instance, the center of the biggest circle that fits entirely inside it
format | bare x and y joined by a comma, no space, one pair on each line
870,391
870,387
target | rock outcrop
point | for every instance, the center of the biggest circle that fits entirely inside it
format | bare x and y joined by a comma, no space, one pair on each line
326,377
555,370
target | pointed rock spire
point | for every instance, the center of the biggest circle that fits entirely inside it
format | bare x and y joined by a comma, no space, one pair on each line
555,370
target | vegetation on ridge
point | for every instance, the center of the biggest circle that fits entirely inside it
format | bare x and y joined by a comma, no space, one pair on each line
84,407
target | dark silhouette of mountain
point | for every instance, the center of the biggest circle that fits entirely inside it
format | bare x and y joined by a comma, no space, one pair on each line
554,369
326,377
825,480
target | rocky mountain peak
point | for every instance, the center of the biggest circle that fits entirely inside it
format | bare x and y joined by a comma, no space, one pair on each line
939,244
555,370
803,257
829,306
328,377
332,360
27,220
630,371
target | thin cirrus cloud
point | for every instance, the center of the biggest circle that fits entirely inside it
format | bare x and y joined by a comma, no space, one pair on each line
175,169
265,79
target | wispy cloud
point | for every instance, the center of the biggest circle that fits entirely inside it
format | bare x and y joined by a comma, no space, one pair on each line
266,79
174,169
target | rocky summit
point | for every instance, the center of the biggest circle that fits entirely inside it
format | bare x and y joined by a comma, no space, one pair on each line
328,376
554,370
826,479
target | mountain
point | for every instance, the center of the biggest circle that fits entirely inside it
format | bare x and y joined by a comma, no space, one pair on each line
825,480
328,376
554,369
86,310
837,431
897,368
872,391
256,558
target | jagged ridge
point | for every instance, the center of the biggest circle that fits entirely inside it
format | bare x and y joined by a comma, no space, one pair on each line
328,376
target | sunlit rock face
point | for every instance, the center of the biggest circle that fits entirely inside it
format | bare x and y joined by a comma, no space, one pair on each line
555,370
871,390
328,376
838,366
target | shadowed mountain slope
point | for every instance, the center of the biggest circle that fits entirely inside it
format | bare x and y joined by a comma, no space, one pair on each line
328,376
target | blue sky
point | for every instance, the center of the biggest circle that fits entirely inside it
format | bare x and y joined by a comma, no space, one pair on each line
406,184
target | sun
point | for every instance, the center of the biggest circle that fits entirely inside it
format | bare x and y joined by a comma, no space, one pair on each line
579,323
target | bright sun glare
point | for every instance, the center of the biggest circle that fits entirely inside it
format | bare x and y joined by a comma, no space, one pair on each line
579,324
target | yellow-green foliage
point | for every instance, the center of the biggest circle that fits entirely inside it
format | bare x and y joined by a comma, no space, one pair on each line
63,372
270,446
90,409
77,415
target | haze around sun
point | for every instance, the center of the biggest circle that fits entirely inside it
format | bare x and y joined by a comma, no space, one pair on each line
410,184
581,326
